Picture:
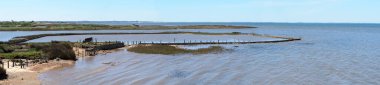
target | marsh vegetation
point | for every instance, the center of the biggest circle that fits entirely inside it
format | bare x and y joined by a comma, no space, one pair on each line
169,50
51,50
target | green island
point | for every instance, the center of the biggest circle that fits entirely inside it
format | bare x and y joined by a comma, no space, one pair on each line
51,26
170,50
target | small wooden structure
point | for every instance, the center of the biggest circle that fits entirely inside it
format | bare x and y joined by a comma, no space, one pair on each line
90,39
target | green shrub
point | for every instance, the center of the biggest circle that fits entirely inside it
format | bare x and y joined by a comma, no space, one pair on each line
38,46
23,55
3,74
9,48
1,50
59,50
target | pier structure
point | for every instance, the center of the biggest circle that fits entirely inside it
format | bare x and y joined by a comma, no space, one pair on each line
91,48
200,42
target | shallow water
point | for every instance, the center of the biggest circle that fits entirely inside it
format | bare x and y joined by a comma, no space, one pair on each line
329,54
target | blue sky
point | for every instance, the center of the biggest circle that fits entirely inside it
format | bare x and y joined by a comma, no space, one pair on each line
353,11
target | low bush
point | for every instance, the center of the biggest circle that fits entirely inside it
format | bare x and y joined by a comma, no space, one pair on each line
1,50
23,55
9,48
38,46
3,74
59,50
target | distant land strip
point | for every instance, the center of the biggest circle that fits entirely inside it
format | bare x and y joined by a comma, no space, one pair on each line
46,26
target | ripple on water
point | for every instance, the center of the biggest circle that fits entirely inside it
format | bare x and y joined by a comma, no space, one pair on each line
325,57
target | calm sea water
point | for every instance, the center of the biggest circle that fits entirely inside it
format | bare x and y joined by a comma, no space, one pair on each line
329,54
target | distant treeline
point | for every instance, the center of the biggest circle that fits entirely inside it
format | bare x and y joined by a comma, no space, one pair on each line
17,24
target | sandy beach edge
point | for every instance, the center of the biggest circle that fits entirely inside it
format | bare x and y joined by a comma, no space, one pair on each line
30,75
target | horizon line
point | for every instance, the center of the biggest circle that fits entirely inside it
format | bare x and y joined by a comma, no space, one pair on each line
193,21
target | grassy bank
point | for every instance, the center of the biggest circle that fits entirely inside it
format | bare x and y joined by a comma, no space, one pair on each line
44,26
169,50
51,50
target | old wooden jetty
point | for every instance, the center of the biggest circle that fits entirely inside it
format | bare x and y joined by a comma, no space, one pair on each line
211,42
87,49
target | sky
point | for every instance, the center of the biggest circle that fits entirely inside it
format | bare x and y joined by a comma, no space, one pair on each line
324,11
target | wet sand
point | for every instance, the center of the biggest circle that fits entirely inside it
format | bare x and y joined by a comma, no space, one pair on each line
29,75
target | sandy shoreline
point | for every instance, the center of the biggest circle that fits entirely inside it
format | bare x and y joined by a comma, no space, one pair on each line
29,75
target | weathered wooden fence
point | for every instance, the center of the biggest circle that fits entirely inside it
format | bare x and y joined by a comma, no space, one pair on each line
199,42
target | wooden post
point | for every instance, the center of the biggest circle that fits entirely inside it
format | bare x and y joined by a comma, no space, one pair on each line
21,64
13,63
27,62
96,41
8,63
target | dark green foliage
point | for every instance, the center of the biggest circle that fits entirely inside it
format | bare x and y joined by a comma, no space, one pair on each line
21,55
38,46
7,51
6,48
51,50
59,50
236,32
1,50
3,74
2,42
